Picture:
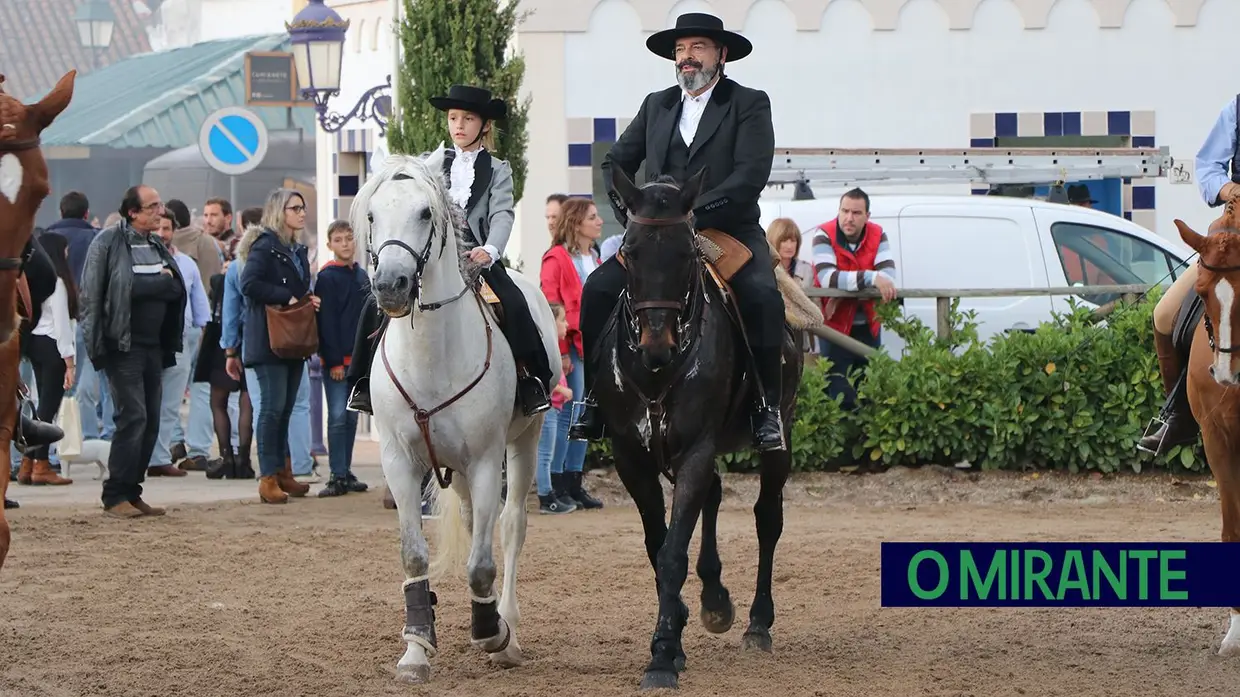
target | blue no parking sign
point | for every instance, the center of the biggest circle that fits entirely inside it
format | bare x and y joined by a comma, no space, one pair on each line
233,140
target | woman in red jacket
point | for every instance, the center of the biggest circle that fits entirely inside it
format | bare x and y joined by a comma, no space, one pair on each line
565,267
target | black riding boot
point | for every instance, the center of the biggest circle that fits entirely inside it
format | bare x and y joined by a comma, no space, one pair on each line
768,426
38,433
364,349
1177,425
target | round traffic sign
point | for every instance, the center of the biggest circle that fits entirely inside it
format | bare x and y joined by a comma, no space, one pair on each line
233,140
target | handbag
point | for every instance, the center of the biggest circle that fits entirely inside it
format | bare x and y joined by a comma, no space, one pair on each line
293,330
71,424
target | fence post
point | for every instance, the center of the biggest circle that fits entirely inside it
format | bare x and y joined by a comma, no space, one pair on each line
942,307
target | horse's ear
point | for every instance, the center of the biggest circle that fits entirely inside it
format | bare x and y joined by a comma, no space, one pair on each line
692,189
1190,236
625,188
48,108
434,161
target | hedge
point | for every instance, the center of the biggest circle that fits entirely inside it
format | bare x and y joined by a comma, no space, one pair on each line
1073,395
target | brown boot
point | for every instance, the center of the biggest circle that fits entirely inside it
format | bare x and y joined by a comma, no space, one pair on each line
288,484
24,472
148,509
1178,427
124,509
270,492
44,474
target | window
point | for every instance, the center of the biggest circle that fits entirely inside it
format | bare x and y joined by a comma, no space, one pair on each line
1097,256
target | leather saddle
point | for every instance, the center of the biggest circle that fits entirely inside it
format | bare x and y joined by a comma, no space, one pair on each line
491,299
723,256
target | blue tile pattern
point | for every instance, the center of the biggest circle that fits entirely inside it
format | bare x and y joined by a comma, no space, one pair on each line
579,154
604,130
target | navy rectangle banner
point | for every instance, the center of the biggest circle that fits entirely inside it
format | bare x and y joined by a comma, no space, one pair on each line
1064,574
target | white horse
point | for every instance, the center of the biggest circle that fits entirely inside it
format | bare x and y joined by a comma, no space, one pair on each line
443,352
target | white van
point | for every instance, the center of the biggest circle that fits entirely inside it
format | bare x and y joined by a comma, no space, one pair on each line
965,242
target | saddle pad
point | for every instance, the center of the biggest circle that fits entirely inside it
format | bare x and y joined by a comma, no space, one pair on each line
724,251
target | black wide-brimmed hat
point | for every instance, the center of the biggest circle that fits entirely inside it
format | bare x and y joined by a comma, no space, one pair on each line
663,43
1079,193
475,99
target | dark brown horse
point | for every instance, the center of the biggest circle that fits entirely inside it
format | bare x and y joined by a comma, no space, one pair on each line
23,186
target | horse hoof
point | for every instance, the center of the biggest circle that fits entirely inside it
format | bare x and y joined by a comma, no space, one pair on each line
719,621
414,674
660,680
510,657
1229,648
757,641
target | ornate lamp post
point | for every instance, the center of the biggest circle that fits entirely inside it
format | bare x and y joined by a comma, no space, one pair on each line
318,35
95,21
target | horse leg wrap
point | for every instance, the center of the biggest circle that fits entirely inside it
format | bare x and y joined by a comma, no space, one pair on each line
489,631
420,614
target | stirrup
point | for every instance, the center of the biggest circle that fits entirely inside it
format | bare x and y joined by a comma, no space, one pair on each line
1154,425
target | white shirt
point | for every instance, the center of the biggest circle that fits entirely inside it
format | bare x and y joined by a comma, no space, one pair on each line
54,321
462,181
691,113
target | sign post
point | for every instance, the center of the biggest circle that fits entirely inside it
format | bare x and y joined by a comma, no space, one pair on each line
233,141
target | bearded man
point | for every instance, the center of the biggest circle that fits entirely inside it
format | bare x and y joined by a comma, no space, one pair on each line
706,120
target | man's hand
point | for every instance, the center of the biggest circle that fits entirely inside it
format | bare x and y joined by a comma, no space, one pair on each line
232,366
885,286
337,373
1229,191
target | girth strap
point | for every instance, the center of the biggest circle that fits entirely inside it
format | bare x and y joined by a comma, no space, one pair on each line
423,416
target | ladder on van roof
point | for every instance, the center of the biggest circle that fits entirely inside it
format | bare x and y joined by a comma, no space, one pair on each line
964,165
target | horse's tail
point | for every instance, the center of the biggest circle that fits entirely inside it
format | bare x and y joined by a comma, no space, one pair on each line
453,538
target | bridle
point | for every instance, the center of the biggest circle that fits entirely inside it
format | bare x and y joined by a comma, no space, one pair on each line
1205,316
420,260
17,264
690,299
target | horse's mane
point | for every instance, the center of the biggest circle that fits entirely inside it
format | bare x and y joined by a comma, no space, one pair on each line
445,215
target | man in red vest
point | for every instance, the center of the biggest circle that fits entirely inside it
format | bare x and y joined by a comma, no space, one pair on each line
851,253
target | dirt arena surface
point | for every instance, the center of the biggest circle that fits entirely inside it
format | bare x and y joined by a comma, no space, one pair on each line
236,598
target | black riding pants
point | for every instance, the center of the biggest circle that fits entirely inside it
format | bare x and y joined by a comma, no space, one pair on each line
363,346
519,326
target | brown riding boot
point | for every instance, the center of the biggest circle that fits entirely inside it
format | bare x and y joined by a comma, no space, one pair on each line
24,472
270,492
285,479
44,474
1178,427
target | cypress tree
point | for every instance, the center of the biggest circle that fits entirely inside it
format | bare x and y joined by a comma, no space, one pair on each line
447,42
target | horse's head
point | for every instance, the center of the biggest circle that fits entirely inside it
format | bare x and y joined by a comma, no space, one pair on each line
1218,283
407,224
661,254
23,183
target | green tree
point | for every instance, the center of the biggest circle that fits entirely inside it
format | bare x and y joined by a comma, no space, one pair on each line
447,42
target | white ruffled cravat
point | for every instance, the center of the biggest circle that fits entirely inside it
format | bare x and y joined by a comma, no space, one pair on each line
462,175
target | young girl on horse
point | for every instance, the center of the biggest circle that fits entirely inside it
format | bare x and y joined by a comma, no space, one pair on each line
481,184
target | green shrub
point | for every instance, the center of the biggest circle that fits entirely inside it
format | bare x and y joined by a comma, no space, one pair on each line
1072,395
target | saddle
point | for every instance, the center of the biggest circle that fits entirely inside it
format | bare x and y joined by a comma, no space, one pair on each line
1186,322
491,299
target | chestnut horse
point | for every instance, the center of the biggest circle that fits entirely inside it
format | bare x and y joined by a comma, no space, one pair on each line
23,186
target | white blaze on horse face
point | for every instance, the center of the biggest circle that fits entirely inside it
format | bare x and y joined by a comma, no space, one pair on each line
1226,296
10,177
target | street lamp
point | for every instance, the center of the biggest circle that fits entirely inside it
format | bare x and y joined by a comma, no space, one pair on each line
95,21
317,33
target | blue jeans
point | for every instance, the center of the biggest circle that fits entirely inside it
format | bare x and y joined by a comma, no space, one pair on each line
278,383
341,427
175,380
299,428
91,389
570,456
316,406
546,448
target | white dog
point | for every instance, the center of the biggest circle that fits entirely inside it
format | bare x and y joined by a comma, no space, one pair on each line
94,451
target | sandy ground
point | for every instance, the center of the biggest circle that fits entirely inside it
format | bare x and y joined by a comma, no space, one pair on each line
228,597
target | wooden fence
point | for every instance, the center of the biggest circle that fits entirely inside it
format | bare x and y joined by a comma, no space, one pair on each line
943,302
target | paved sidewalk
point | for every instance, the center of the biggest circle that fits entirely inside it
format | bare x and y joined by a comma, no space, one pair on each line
192,488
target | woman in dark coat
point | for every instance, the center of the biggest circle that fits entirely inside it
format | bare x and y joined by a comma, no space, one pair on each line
211,370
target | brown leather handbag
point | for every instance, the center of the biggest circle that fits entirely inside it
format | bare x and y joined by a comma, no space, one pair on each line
293,330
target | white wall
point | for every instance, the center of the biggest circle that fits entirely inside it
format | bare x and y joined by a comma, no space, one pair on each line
848,85
187,22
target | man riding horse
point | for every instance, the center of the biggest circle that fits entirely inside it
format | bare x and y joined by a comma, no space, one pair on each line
706,121
1180,309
